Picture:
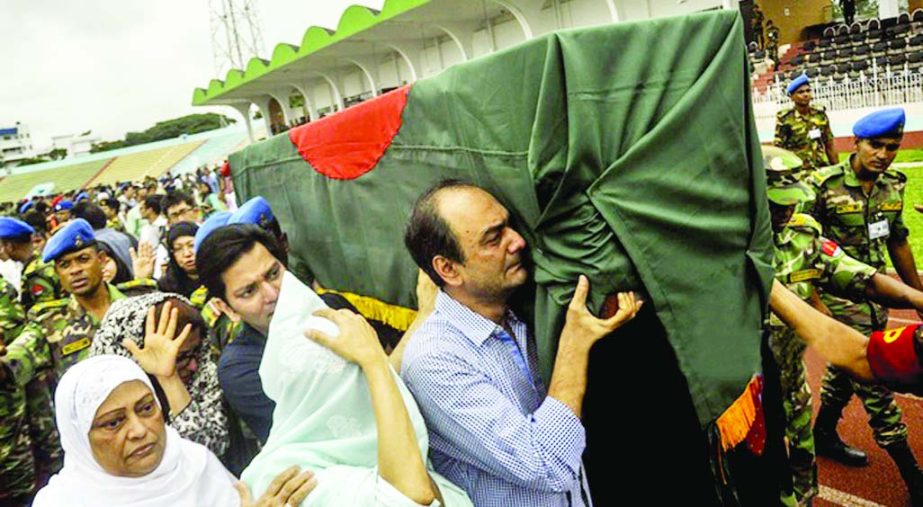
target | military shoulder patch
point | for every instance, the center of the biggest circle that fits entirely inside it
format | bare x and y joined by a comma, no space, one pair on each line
830,248
805,221
40,309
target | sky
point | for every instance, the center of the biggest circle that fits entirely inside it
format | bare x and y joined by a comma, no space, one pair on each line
115,66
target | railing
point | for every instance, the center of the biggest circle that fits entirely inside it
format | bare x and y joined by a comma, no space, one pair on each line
873,90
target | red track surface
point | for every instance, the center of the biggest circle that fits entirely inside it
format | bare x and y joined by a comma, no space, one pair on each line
879,482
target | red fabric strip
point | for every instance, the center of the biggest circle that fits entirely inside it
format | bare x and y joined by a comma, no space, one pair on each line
348,144
893,357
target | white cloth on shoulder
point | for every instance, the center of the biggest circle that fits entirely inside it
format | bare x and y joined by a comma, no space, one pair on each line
188,475
324,420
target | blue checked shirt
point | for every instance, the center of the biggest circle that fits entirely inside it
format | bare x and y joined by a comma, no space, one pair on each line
492,432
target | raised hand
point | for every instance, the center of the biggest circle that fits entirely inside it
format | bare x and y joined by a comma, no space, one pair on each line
142,260
357,341
158,357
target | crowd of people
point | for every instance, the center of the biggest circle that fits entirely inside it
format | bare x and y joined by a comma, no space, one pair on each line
155,348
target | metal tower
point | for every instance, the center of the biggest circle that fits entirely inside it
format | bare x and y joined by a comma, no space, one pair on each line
236,34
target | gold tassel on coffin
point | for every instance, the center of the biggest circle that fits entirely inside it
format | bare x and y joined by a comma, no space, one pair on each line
736,423
395,316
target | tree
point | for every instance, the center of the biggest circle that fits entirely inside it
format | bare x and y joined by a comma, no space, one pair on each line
169,129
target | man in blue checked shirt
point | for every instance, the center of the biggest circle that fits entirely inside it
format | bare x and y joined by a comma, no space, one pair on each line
472,367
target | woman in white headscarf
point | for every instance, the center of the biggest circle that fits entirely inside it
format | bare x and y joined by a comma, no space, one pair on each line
119,452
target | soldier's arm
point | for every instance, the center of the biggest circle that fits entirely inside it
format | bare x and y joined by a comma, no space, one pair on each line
26,355
834,341
12,315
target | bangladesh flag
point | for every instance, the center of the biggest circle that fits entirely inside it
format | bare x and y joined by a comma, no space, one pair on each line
626,152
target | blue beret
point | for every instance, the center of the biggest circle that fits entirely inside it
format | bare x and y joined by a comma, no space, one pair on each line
82,196
214,221
75,235
256,211
796,83
14,228
26,206
64,206
884,123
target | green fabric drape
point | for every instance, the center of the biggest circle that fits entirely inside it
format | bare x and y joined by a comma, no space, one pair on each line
626,152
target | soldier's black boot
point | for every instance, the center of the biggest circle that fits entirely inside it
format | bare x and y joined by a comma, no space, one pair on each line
910,471
827,442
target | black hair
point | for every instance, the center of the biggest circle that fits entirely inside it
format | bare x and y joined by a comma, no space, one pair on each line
122,273
175,279
37,221
427,235
176,197
92,214
152,202
224,246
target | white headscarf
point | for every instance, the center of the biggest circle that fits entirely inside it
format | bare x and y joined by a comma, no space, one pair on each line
188,475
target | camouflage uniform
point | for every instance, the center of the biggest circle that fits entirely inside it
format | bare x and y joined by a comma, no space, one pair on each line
137,287
40,284
772,43
199,297
805,135
804,259
846,214
57,337
17,463
223,330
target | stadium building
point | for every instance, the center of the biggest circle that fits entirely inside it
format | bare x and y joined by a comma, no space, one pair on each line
371,52
15,144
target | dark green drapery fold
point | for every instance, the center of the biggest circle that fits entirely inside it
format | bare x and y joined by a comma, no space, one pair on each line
627,152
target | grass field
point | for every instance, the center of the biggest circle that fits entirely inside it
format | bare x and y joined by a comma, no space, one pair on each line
914,220
913,194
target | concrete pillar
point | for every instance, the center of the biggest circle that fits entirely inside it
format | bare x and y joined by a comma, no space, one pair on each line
244,109
309,104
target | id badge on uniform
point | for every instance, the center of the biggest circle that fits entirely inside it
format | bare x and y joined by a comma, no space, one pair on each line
814,133
879,229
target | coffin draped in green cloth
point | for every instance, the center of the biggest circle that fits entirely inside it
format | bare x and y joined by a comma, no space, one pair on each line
626,152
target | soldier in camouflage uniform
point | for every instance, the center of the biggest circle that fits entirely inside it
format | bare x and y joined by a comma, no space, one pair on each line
16,239
805,130
39,282
61,332
802,259
859,203
17,463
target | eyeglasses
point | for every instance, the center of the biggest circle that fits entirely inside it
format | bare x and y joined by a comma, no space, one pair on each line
179,212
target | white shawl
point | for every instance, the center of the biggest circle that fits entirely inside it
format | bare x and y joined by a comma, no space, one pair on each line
188,475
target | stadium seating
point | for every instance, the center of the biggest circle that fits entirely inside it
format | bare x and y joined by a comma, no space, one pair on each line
16,186
136,166
853,52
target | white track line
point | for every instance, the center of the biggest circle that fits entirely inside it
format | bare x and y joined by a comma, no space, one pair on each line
845,499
